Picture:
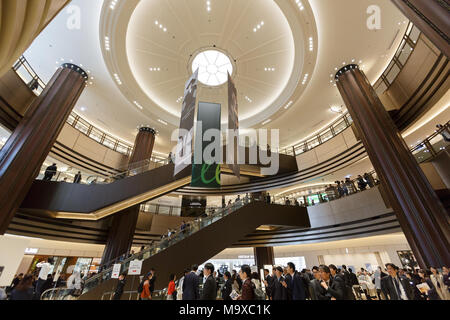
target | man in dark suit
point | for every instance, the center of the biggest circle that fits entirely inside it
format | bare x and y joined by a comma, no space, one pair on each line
268,282
395,287
296,289
279,291
345,282
190,285
314,284
332,288
209,287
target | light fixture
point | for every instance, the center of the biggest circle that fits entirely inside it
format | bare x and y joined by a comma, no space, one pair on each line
269,69
311,44
258,26
116,76
213,67
83,109
336,109
154,69
179,99
300,5
163,122
305,79
113,4
138,105
266,122
248,99
288,105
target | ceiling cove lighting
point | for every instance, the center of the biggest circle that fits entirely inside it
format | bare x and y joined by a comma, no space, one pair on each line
259,26
138,105
113,3
163,122
300,5
116,76
266,122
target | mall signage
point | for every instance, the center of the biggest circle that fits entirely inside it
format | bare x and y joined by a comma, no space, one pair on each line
183,154
233,128
206,169
135,268
116,271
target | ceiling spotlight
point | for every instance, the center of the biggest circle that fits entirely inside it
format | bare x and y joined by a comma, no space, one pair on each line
336,109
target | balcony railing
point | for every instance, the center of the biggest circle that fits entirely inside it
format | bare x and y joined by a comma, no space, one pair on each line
23,68
397,63
423,151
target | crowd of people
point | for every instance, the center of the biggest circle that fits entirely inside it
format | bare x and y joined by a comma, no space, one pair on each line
31,286
324,282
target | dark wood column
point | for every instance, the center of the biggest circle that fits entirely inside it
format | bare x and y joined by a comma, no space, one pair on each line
25,151
123,225
143,145
264,256
422,217
432,17
121,233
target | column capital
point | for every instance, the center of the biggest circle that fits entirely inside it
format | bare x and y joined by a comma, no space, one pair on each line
146,128
345,69
77,69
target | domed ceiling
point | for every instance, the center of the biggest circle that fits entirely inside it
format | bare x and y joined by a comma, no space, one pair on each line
166,36
282,53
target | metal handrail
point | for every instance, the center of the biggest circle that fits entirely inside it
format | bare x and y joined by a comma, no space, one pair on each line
424,145
179,235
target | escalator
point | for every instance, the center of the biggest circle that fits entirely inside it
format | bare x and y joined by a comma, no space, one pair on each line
204,239
97,201
140,183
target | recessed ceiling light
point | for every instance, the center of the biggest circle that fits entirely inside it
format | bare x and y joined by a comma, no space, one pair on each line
113,4
288,105
83,109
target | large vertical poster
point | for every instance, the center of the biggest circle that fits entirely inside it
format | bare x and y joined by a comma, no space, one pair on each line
208,147
233,126
183,155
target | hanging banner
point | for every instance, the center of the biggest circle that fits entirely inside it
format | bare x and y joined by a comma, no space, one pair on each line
183,154
116,271
208,147
233,129
135,267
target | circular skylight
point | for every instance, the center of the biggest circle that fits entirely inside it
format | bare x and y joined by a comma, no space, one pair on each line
213,66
